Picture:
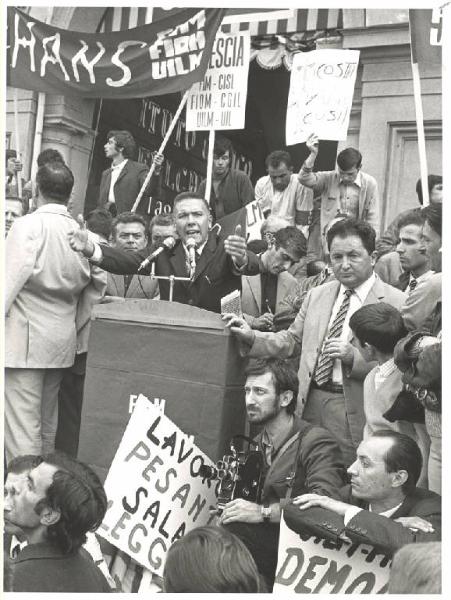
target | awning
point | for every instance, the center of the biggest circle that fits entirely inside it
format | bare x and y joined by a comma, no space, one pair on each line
262,22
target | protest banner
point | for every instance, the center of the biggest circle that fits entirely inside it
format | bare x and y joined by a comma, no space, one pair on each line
320,96
164,496
158,58
219,101
309,564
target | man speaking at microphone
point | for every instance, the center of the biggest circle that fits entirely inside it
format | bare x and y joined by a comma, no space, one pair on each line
213,264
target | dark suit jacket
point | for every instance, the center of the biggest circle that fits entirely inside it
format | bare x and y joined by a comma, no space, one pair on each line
43,568
127,187
319,466
215,274
308,332
370,528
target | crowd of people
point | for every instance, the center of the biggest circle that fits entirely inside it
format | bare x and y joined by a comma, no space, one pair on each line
339,333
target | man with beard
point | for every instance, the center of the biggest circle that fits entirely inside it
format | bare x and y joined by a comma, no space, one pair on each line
295,454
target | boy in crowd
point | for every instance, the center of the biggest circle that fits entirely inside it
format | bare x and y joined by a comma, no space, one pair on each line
377,328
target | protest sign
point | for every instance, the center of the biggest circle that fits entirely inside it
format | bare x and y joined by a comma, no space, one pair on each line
219,101
158,58
154,489
309,564
320,96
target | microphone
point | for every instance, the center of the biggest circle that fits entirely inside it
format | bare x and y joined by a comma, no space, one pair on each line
167,244
191,247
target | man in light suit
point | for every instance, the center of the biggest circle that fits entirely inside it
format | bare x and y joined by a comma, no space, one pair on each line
129,234
331,370
122,182
49,294
385,508
273,292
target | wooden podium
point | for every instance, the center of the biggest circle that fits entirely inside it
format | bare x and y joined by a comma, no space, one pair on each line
163,350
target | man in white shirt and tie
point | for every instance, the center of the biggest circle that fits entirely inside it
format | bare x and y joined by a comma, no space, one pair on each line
383,506
331,370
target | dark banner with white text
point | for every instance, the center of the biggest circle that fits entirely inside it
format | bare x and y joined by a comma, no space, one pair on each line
159,58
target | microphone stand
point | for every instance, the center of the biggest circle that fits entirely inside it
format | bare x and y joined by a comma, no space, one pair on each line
171,278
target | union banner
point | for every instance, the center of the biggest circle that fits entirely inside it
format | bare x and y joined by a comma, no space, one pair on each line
160,58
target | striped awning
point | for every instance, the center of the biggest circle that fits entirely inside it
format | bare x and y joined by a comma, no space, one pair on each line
258,22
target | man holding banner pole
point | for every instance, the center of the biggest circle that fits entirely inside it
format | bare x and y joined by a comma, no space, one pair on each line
231,189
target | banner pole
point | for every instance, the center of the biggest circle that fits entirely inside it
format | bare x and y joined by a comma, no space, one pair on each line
17,136
421,136
161,149
211,145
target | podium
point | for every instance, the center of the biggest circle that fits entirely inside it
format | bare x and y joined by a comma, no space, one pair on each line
166,351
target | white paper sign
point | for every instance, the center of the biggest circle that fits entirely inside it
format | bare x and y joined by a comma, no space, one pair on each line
320,97
309,564
219,101
254,220
154,490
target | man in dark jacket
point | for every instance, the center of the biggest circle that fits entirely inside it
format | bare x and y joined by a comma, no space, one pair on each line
62,500
122,182
210,264
295,454
385,508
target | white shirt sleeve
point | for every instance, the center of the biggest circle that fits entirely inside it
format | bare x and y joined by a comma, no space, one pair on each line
350,513
97,255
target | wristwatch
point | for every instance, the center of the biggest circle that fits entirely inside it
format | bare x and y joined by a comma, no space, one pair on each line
266,512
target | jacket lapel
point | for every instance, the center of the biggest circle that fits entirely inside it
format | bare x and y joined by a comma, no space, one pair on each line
206,256
124,170
255,286
325,310
178,263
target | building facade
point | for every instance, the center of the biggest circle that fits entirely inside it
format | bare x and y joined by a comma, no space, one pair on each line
382,122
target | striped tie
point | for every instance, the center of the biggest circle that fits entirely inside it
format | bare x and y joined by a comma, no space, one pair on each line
413,284
325,364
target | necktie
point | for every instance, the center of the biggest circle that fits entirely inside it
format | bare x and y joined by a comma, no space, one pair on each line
413,284
325,364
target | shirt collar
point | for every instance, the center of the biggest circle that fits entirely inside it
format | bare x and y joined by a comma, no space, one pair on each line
357,181
421,277
387,368
387,513
363,289
53,207
199,249
276,442
119,165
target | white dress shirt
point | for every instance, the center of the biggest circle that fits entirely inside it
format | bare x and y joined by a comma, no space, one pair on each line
357,300
115,172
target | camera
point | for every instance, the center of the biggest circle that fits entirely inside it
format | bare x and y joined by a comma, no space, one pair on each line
239,474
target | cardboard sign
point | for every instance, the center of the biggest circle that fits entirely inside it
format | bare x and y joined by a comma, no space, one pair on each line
254,220
320,97
309,564
154,490
219,101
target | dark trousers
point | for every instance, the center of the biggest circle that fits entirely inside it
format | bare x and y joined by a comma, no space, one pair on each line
262,541
70,402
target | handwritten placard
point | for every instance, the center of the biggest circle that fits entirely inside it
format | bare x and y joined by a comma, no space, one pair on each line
321,92
219,101
312,565
154,489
